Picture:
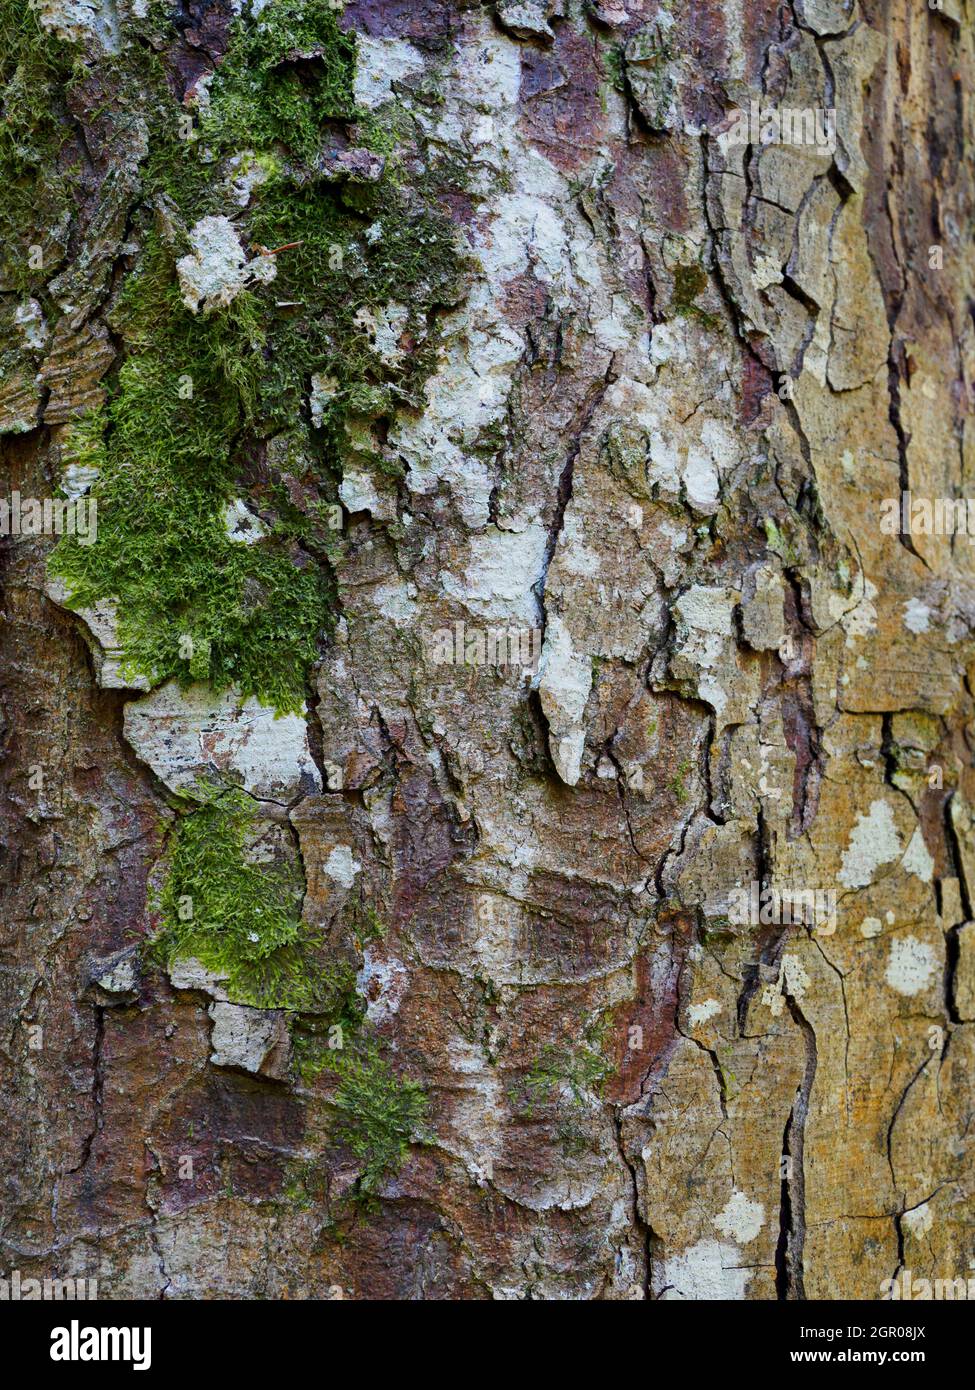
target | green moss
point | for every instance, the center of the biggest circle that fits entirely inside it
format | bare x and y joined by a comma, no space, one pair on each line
378,1112
575,1071
779,542
203,409
368,925
38,169
241,919
613,64
192,603
566,1078
344,263
678,783
728,1079
690,282
305,1185
283,80
198,398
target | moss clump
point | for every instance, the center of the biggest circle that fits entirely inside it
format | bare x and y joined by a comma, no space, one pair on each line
690,281
565,1078
717,931
678,783
780,543
379,1112
368,926
614,67
305,1185
340,264
192,602
242,920
560,1073
283,80
200,400
38,169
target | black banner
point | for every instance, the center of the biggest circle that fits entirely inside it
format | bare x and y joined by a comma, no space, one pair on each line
169,1338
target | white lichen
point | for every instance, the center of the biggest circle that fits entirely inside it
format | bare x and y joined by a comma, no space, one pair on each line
917,858
700,1013
78,21
742,1219
792,983
216,269
185,735
379,63
342,867
241,524
910,965
32,325
501,572
874,841
917,615
708,1271
564,684
919,1220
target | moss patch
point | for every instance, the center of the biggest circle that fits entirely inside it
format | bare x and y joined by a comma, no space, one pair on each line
283,80
690,282
242,919
192,602
200,405
38,164
564,1079
678,783
576,1071
378,1112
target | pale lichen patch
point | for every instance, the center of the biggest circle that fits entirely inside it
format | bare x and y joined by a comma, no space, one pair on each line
215,271
252,1040
917,858
700,1013
184,735
80,20
342,866
910,965
874,841
501,573
241,523
379,63
564,683
710,1269
741,1219
919,1220
917,615
792,982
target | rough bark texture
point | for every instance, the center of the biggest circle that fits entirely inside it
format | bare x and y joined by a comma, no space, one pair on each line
632,384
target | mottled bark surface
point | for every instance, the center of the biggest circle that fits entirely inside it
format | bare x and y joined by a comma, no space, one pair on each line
634,389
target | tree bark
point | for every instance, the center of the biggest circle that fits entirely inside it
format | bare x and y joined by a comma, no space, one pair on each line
490,811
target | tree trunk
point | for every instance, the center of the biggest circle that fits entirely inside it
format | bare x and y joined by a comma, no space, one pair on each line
487,736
